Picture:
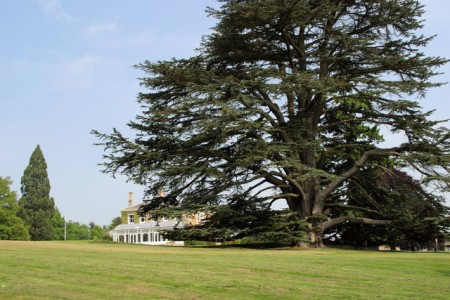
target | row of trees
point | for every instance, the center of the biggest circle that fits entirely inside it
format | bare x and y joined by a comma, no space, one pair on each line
35,216
289,101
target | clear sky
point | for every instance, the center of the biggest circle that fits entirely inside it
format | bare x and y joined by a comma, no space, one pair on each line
66,68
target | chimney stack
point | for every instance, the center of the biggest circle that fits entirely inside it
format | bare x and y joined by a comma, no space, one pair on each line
130,199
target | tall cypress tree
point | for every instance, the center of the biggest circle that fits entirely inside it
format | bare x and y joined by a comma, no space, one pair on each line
36,206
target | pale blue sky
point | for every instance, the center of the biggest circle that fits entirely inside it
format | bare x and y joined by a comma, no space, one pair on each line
66,68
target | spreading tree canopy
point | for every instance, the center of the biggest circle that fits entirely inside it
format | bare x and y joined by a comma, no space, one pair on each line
287,100
36,207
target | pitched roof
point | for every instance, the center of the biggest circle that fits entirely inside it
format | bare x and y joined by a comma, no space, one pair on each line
133,208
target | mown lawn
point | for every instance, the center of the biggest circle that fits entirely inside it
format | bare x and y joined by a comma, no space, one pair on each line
82,270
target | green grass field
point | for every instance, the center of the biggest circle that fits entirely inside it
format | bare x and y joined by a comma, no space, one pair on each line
83,270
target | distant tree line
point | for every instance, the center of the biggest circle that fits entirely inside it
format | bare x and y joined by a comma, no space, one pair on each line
35,215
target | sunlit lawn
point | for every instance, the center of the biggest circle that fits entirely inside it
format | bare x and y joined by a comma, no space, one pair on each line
82,270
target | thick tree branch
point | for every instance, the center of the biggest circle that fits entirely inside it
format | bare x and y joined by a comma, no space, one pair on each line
325,193
337,221
346,206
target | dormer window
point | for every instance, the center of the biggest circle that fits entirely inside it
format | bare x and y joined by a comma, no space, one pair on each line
141,219
131,219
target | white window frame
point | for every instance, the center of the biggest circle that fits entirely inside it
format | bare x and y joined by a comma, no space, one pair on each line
131,219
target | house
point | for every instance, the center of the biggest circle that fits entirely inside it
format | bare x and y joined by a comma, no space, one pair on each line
136,229
388,248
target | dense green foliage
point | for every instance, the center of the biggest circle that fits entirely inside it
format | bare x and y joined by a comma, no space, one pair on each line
418,217
285,102
36,207
11,226
75,231
234,223
58,226
96,232
114,222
